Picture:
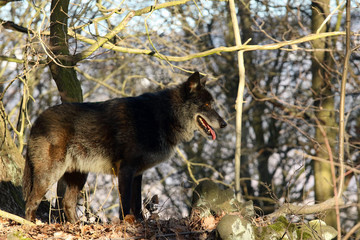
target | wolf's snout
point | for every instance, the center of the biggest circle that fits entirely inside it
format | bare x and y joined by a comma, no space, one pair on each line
223,123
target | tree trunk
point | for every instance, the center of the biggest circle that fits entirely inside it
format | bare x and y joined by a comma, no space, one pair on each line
11,161
62,63
325,110
11,168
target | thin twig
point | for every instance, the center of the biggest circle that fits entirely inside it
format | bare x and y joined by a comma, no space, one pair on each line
342,113
329,17
352,231
351,169
342,100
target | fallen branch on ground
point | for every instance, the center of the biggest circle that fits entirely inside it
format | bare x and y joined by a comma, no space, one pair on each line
291,209
15,218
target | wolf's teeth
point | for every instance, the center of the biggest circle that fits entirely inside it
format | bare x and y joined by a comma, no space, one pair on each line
205,126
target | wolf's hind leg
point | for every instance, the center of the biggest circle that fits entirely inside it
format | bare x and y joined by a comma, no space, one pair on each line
42,181
73,183
36,195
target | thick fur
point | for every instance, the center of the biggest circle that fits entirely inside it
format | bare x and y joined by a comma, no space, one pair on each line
27,179
124,136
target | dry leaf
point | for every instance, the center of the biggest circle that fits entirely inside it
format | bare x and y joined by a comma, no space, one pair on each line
209,223
130,219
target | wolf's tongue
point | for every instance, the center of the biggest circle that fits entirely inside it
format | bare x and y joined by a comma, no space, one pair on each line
206,127
213,135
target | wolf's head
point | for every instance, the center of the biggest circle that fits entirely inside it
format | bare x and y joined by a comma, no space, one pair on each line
200,109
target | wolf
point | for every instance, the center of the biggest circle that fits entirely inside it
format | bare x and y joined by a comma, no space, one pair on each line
125,136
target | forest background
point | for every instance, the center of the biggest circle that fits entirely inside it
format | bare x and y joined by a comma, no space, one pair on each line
293,54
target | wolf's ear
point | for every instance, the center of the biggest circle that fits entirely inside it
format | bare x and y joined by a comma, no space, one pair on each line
203,81
194,82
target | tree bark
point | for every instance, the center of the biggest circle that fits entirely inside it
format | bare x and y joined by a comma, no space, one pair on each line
325,109
62,65
11,161
11,168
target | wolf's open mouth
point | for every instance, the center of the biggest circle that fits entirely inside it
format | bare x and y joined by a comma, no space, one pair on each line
206,127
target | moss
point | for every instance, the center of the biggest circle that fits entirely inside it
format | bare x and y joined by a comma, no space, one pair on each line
281,225
303,235
18,235
280,229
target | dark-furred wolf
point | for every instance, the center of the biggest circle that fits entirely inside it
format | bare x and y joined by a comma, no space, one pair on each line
122,135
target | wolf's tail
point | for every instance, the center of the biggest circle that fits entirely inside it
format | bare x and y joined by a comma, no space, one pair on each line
27,178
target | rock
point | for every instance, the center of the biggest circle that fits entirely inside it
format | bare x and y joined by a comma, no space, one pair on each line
210,199
232,227
317,228
247,209
283,229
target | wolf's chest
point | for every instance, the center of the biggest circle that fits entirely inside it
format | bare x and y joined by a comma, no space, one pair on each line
151,159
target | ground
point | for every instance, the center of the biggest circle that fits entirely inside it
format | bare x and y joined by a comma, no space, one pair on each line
129,229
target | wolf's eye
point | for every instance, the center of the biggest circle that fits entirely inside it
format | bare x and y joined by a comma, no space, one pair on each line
207,106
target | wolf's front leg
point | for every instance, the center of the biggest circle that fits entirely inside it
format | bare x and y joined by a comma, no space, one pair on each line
136,202
126,180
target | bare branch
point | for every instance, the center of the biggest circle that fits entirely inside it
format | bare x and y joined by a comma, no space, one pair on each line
239,99
13,26
352,231
290,209
102,40
218,50
342,100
